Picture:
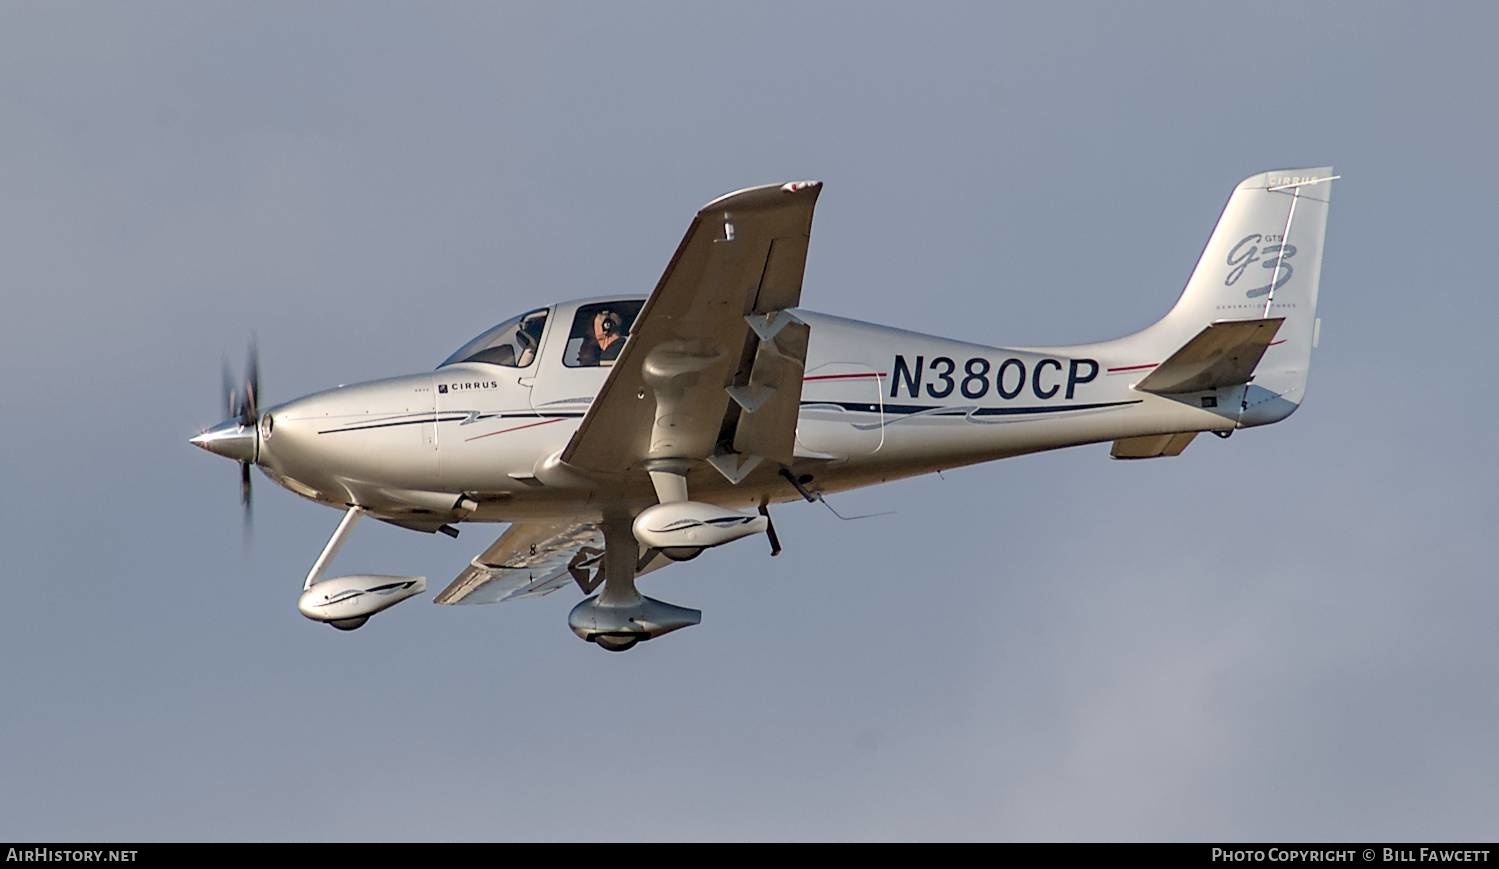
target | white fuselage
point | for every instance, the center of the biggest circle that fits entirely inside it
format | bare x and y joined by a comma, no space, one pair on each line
475,441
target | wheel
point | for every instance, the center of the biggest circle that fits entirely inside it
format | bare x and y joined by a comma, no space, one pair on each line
350,624
682,553
616,642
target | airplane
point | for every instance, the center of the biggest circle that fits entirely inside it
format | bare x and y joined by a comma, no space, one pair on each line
621,434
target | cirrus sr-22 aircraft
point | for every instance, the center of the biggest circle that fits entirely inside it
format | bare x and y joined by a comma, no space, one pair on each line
619,435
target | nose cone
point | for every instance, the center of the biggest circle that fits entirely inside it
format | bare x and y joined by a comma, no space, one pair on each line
229,439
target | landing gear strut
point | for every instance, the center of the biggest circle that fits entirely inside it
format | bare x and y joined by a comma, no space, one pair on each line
620,616
347,602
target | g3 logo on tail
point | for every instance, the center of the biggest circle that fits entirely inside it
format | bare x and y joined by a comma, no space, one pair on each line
1274,251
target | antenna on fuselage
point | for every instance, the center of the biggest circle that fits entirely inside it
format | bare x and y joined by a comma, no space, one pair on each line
817,497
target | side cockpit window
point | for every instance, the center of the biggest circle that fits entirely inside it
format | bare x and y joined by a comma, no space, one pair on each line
512,344
599,332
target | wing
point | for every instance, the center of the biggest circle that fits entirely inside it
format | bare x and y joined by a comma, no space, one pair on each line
713,367
532,559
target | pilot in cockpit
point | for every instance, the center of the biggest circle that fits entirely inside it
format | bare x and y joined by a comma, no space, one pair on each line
604,341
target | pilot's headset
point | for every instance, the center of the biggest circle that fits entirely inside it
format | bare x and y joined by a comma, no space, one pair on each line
611,323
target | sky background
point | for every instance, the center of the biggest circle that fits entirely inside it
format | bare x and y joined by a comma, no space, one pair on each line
1286,635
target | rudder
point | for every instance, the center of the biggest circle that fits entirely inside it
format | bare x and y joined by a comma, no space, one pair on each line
1263,260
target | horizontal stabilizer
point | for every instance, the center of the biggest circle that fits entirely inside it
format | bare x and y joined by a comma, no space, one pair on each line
1223,354
1152,446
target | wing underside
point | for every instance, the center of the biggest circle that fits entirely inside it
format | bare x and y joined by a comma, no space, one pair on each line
532,559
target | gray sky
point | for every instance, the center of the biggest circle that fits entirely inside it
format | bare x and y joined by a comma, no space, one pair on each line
1285,635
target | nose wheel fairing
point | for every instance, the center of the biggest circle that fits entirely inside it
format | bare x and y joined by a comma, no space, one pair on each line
347,602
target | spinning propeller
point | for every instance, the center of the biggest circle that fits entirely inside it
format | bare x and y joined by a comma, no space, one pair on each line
237,437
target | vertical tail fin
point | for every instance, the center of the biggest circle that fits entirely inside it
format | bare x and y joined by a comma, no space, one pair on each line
1263,260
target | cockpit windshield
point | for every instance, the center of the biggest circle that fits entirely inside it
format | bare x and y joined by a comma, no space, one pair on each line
512,344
